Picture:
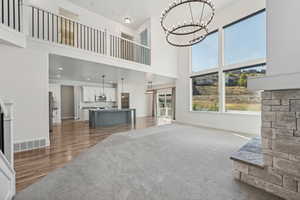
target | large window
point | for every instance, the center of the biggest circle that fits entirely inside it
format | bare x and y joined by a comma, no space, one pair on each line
246,39
243,53
205,93
238,97
205,54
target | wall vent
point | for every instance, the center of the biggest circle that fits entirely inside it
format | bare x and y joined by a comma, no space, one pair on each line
30,145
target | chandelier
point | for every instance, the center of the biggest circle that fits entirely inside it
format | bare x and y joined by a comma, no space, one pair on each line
192,17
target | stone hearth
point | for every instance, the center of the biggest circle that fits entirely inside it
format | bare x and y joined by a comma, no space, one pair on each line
279,170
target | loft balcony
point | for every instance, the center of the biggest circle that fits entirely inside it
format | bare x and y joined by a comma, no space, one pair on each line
11,23
50,27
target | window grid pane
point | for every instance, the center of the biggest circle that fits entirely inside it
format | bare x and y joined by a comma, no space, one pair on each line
206,93
205,54
238,97
246,40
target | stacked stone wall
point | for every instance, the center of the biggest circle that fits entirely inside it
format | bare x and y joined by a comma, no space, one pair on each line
280,137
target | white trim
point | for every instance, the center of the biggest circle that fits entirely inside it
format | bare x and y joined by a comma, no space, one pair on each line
228,112
9,175
47,144
12,37
244,64
7,163
212,128
275,82
204,72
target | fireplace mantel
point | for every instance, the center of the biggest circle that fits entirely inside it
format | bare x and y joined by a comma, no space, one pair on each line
275,82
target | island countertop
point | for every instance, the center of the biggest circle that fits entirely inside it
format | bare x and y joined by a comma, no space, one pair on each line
112,110
110,117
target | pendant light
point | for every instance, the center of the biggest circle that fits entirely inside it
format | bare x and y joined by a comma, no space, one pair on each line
122,91
103,96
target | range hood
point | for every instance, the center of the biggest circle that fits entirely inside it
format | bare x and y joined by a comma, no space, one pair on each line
101,98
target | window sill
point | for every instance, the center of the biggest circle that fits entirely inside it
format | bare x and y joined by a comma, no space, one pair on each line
229,113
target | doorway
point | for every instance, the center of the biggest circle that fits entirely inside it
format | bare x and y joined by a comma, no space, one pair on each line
164,104
67,102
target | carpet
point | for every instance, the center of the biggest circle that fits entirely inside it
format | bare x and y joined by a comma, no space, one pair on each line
171,162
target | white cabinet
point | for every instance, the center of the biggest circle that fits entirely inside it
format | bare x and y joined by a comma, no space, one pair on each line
86,94
89,93
84,115
110,94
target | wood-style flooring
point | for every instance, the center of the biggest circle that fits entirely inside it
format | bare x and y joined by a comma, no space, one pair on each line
67,140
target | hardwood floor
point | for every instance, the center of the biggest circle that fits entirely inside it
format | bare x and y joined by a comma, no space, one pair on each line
67,141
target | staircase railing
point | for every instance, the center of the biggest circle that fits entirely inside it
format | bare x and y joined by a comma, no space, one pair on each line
54,28
11,14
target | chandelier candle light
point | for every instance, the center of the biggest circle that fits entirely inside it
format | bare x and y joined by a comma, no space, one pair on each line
193,18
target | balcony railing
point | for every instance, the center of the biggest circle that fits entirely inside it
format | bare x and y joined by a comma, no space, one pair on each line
61,30
10,13
57,29
129,50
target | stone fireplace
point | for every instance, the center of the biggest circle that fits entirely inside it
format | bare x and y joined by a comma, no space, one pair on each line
272,162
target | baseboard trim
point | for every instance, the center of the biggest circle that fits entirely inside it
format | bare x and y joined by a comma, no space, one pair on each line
247,135
31,144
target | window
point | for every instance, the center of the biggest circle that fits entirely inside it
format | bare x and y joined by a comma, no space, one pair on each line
244,53
205,54
205,92
238,97
246,39
144,37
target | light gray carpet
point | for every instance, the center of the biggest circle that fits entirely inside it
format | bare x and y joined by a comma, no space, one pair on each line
172,162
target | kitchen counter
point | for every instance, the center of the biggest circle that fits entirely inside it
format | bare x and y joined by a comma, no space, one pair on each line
110,117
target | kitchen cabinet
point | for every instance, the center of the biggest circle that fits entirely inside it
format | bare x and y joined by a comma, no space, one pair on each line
110,94
85,115
89,93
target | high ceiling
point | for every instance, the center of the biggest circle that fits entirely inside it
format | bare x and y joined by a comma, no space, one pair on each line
138,10
79,70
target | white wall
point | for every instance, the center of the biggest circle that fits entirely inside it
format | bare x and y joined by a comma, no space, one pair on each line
135,84
283,36
24,80
163,55
228,121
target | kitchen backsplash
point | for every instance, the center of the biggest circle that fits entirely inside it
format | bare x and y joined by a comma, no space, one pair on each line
98,104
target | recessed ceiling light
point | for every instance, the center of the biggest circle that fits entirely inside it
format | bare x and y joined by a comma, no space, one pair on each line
88,79
60,69
58,76
127,20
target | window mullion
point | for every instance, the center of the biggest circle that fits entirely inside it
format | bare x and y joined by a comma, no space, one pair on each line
221,74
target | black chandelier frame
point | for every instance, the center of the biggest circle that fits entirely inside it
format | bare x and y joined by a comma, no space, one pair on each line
196,26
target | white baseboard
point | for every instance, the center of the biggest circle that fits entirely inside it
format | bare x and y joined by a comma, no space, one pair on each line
27,145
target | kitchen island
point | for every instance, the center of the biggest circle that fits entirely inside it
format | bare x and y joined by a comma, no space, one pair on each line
110,117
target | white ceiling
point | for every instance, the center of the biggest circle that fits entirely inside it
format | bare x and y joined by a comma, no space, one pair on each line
138,10
79,70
